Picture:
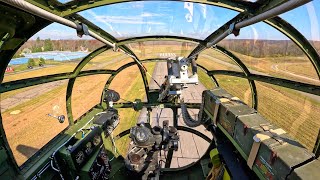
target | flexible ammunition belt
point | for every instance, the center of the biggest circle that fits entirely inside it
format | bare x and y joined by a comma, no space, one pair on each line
188,120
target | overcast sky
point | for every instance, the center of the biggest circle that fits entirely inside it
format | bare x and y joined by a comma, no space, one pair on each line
182,19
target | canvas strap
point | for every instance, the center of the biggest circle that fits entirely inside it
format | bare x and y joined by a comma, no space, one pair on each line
257,139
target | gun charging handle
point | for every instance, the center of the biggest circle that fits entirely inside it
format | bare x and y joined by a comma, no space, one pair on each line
60,118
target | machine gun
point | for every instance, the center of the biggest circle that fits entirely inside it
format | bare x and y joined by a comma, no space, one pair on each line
178,78
147,142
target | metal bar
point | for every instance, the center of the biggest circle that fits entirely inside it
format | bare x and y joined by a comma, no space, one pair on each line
254,93
179,128
239,22
158,38
88,58
124,49
287,6
93,27
215,35
282,8
303,87
316,149
97,71
26,6
215,81
77,73
151,105
169,158
12,85
69,99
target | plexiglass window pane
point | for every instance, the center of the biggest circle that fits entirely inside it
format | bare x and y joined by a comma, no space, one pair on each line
108,60
27,117
161,49
296,112
214,60
206,80
307,21
86,93
129,84
238,87
146,18
266,51
55,49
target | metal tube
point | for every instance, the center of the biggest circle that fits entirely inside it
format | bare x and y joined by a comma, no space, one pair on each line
272,12
218,39
26,6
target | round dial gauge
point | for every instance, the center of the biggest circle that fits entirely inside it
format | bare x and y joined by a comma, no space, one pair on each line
88,149
79,157
96,140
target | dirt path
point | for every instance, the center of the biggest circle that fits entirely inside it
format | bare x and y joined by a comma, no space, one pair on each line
29,94
36,91
276,68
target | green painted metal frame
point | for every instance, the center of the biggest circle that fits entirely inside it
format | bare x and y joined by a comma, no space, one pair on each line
20,37
158,38
245,70
72,80
110,38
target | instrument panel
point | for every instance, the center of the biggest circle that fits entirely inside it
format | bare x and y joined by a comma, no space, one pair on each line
78,152
83,150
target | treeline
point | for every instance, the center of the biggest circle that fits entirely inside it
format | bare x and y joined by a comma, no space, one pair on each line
43,45
265,48
255,48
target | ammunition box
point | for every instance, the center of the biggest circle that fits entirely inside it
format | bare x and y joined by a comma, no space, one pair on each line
224,108
246,127
269,151
308,171
276,153
211,100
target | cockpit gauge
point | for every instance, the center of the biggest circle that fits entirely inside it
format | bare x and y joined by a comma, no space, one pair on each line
79,157
96,140
88,147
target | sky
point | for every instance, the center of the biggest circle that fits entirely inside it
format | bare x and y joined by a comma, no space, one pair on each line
143,18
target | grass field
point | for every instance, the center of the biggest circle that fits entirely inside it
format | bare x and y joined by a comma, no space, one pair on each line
300,66
23,129
42,71
152,49
295,112
101,61
31,129
291,110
